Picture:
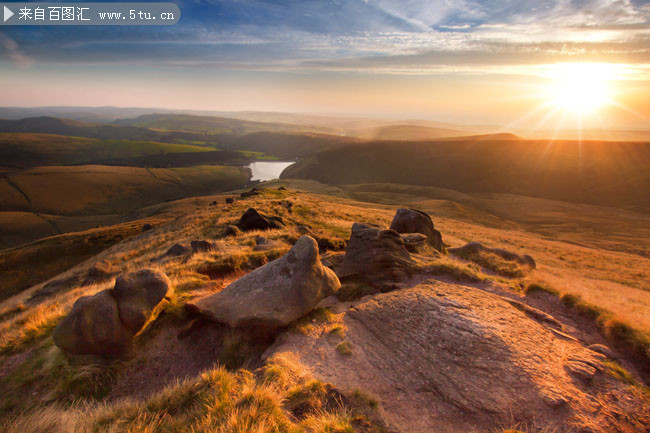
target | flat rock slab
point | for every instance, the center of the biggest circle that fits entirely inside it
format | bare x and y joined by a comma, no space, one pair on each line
450,358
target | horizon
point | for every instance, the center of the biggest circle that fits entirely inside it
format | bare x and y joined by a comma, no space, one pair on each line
533,65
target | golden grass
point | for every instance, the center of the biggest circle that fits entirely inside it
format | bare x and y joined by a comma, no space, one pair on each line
258,402
215,401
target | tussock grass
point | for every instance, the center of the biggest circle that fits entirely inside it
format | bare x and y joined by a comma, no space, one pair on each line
494,263
215,401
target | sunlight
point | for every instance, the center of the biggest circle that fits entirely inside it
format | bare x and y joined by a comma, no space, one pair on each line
581,88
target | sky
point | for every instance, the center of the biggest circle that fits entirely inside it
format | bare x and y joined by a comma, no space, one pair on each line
462,61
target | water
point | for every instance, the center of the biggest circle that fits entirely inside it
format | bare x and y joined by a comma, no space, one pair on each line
268,170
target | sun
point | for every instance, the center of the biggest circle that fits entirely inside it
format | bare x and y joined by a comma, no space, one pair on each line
581,88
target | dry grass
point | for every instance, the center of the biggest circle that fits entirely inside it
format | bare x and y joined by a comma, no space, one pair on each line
224,401
215,401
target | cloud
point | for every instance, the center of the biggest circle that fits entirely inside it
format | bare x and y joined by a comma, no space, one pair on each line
374,35
13,52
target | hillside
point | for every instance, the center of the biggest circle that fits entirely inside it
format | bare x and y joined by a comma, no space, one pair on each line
208,124
603,173
43,201
22,150
413,340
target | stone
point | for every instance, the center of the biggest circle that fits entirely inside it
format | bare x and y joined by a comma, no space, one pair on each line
476,247
93,327
100,271
147,227
415,221
230,200
202,246
275,294
177,250
376,256
253,220
603,350
415,242
140,297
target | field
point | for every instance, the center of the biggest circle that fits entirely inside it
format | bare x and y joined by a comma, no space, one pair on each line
76,198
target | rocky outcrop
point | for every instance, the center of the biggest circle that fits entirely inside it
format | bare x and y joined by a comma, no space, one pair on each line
376,256
476,248
93,327
105,324
444,357
139,297
275,294
415,221
253,220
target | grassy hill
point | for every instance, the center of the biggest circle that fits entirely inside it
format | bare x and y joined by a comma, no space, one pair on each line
186,374
21,150
49,200
603,173
208,124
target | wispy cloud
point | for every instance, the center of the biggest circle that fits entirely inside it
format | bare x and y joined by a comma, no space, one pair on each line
373,35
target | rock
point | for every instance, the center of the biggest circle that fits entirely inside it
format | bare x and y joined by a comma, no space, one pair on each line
603,350
230,200
282,188
214,203
580,370
275,294
252,193
264,244
202,246
100,271
177,250
253,220
305,230
146,227
140,295
93,327
415,221
450,358
415,242
231,230
376,256
476,247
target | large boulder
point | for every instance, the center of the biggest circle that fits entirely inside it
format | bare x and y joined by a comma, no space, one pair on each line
275,294
415,221
93,327
140,297
105,324
376,256
253,220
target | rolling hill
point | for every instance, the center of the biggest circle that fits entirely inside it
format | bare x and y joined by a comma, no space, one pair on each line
604,173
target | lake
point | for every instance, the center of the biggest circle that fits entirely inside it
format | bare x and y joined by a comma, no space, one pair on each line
268,170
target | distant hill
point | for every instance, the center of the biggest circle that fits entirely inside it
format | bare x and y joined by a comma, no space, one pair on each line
605,173
209,124
288,146
406,132
21,150
75,128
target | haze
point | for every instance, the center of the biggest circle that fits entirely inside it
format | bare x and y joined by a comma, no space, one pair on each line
470,62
